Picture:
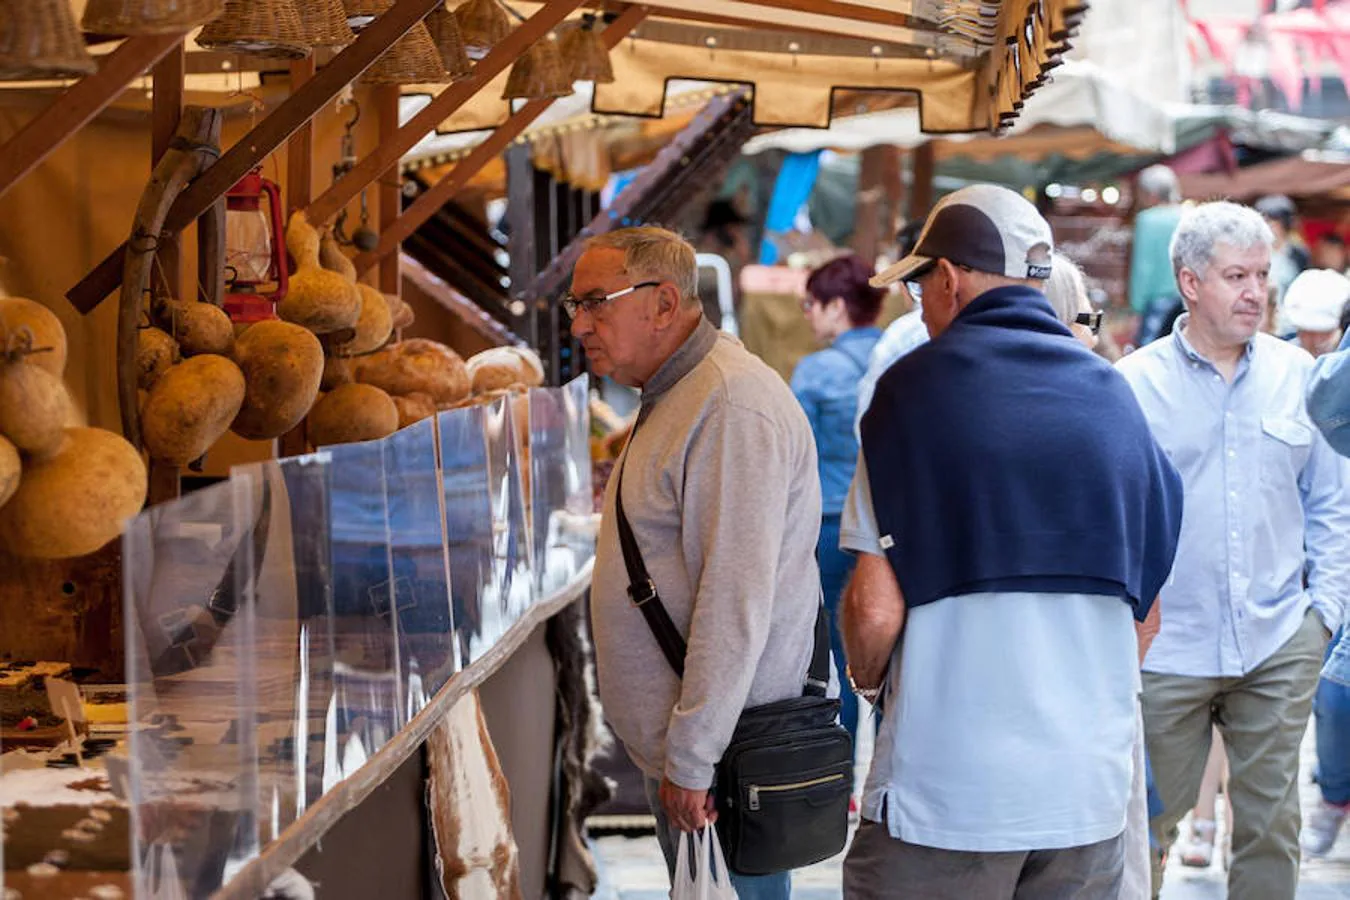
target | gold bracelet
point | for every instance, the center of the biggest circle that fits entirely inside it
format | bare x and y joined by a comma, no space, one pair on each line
868,694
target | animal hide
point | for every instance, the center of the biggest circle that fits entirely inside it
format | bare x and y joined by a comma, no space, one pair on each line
470,805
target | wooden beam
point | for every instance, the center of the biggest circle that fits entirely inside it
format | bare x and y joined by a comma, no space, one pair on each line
390,192
452,182
267,136
921,180
166,110
79,104
446,102
300,147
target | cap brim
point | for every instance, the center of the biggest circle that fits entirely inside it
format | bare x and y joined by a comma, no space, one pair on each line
900,271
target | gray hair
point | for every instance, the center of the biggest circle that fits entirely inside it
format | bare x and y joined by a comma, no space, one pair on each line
652,252
1066,289
1220,222
1161,182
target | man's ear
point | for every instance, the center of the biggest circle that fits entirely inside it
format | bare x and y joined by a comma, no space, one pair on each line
1189,284
668,303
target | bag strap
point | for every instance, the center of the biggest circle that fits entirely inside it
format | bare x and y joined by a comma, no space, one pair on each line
642,592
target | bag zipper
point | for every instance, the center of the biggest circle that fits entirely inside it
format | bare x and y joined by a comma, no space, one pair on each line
755,789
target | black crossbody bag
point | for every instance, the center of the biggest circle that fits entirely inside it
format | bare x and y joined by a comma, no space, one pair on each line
782,787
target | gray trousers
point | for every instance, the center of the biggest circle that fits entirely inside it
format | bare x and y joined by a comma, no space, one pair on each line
879,866
1262,717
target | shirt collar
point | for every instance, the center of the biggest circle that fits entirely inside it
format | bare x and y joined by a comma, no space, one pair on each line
681,362
1187,349
861,333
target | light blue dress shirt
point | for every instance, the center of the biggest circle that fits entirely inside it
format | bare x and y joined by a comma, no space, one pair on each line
1261,486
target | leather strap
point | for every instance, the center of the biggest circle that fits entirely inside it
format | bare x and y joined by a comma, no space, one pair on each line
642,591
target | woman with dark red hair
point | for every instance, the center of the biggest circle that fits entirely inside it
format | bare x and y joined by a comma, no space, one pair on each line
842,309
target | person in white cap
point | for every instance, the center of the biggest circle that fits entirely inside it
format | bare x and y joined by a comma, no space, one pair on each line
1012,517
1313,306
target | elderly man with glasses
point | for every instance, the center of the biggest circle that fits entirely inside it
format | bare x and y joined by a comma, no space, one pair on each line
719,486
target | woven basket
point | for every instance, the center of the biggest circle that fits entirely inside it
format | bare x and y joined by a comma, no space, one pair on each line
361,13
413,59
584,56
269,28
323,23
538,74
127,17
39,40
482,24
444,28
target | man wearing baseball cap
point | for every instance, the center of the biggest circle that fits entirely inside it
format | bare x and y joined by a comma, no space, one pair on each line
1013,517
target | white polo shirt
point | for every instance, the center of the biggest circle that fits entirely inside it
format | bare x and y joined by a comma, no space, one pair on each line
1009,717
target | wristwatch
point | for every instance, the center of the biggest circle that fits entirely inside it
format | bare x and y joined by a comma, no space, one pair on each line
869,694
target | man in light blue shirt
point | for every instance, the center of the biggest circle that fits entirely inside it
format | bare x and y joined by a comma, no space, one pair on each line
1267,504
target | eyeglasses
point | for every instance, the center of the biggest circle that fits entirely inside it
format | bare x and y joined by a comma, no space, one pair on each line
572,304
912,283
1093,320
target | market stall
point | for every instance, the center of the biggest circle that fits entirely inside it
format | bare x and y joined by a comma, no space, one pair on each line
291,538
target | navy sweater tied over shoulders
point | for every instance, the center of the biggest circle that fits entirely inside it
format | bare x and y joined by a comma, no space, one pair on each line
1003,456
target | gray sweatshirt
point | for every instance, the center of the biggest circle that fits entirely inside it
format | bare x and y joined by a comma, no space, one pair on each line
721,490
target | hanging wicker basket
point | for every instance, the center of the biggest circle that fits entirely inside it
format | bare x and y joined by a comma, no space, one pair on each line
538,74
361,13
482,24
584,56
445,34
269,28
413,59
323,23
39,40
128,17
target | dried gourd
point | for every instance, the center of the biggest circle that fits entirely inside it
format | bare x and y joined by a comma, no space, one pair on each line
501,368
351,413
156,351
191,407
414,408
374,326
337,371
21,320
333,259
283,366
198,327
76,500
10,466
316,298
34,405
400,313
417,366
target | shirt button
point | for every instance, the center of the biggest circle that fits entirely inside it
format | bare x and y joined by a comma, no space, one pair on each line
1234,534
1233,494
1232,453
1218,377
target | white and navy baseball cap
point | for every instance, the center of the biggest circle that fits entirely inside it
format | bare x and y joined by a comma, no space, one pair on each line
983,227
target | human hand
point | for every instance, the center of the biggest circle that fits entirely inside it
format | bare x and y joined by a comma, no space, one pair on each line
685,809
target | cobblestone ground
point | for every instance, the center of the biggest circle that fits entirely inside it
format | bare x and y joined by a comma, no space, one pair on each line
631,868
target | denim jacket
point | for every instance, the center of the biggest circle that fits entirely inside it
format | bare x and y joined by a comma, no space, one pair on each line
826,385
1329,409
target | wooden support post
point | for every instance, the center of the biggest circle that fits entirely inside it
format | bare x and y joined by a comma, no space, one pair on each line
79,104
165,116
921,182
452,98
299,193
265,137
300,147
453,181
390,186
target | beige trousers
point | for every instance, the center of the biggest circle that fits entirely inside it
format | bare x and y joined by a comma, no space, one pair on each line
1262,717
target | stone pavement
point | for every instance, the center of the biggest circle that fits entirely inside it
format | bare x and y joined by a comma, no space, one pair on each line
631,868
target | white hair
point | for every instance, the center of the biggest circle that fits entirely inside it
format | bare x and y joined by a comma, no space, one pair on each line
1065,289
1161,182
1220,222
652,252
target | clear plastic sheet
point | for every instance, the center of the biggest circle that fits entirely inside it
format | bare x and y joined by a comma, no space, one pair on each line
192,685
298,754
428,655
284,624
563,524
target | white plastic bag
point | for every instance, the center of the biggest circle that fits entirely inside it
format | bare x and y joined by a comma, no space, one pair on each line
704,877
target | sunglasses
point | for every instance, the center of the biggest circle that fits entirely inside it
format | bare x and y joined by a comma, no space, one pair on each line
1093,320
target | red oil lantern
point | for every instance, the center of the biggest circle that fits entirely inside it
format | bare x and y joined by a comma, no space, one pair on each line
255,249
